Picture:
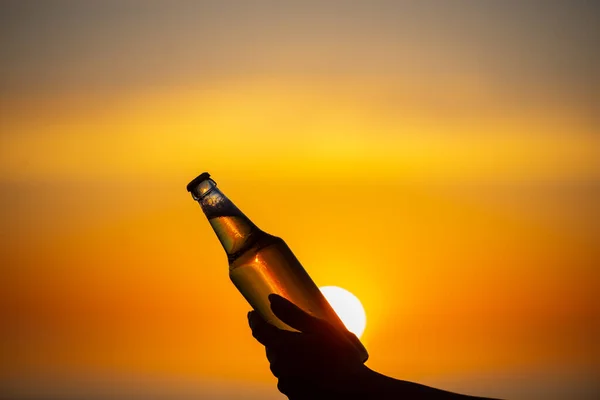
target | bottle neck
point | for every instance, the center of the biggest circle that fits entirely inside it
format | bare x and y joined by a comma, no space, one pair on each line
231,226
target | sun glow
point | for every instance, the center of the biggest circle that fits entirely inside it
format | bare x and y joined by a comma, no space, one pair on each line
348,307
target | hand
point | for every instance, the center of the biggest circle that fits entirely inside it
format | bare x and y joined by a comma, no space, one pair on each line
320,361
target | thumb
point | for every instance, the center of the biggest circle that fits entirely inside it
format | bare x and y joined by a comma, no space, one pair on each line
294,316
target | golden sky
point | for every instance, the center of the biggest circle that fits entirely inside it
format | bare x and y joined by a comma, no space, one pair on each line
439,159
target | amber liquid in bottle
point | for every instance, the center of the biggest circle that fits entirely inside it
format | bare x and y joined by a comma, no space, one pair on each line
260,263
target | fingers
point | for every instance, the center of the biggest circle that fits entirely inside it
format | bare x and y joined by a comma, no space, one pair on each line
296,389
298,354
267,334
262,331
293,315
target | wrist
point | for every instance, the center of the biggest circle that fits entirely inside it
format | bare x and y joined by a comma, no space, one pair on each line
370,384
365,384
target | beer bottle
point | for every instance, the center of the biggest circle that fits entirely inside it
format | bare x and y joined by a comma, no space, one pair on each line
260,263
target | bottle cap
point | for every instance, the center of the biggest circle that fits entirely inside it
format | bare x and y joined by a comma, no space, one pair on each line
200,178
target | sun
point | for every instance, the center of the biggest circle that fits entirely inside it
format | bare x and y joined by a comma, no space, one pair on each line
348,307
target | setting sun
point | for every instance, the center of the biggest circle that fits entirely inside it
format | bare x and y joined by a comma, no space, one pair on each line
348,307
438,159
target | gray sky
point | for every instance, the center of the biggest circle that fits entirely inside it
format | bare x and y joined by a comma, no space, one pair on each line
49,46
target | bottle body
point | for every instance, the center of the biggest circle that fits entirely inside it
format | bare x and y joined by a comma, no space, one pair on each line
259,263
271,267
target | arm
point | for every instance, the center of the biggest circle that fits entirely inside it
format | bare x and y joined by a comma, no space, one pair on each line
379,386
320,361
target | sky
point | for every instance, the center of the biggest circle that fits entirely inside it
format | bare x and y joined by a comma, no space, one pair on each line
438,159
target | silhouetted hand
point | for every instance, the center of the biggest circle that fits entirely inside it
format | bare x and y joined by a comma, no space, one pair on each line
317,363
320,361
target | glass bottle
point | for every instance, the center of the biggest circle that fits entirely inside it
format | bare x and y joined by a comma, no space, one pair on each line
260,263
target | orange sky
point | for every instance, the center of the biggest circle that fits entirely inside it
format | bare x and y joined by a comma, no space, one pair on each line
423,157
